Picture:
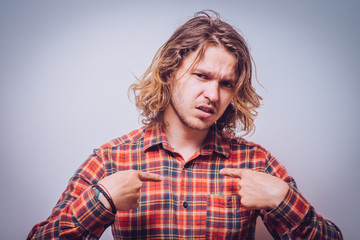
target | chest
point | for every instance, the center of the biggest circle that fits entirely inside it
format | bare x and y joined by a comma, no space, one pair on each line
193,201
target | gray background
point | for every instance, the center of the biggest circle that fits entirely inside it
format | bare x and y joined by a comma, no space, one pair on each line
65,67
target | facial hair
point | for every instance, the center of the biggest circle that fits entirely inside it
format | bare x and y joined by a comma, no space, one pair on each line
186,121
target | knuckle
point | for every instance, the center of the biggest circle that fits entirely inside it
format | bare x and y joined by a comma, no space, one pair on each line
137,196
241,192
133,172
244,202
135,175
138,185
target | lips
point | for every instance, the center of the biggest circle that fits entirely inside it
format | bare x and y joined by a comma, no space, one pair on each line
207,109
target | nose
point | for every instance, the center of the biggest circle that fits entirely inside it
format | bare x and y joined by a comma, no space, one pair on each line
211,91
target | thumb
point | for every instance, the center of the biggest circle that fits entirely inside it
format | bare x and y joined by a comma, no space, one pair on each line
149,177
231,172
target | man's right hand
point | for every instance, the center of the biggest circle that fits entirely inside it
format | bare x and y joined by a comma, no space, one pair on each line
124,188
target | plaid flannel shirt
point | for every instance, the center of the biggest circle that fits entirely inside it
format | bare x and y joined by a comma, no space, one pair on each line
194,201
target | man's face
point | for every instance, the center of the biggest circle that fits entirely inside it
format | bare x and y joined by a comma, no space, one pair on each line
201,93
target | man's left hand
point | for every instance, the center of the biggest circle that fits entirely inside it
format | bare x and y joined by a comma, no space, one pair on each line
258,190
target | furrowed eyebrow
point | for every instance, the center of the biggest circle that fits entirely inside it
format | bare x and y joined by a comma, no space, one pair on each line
212,75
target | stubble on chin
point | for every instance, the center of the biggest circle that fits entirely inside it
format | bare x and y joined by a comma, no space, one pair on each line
190,123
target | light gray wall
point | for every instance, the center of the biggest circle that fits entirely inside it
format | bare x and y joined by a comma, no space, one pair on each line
65,67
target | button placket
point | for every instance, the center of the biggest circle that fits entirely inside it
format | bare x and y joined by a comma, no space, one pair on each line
185,190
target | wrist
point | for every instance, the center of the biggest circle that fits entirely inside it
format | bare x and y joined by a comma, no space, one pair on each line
280,196
105,198
104,201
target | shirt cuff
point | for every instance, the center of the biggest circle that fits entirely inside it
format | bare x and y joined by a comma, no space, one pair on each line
91,214
290,212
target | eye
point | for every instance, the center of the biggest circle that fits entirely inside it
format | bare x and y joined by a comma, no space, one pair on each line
201,76
227,84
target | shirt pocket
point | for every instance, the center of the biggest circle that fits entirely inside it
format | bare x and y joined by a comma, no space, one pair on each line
226,218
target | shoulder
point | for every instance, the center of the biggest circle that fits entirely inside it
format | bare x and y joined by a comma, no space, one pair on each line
247,154
240,142
243,148
134,136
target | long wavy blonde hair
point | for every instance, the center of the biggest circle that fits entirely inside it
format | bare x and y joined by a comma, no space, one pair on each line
152,90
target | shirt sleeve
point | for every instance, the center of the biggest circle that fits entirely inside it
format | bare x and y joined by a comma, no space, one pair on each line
295,218
78,214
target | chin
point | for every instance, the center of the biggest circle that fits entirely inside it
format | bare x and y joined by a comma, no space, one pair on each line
200,126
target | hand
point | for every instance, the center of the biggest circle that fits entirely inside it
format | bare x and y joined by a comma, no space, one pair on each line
258,190
124,188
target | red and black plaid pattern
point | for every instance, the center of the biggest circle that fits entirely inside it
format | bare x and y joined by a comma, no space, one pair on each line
194,201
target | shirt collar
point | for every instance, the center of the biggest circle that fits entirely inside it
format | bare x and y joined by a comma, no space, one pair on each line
215,141
155,135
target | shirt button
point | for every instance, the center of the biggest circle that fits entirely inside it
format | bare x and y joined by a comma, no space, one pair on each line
185,204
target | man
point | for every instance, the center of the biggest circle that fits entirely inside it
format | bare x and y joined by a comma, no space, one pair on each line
184,174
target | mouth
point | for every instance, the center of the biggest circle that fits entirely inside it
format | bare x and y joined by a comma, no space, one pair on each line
207,109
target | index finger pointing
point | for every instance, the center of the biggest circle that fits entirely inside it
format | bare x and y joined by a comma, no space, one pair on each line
231,172
149,177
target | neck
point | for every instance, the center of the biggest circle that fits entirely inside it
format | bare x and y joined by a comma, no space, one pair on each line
185,141
180,135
